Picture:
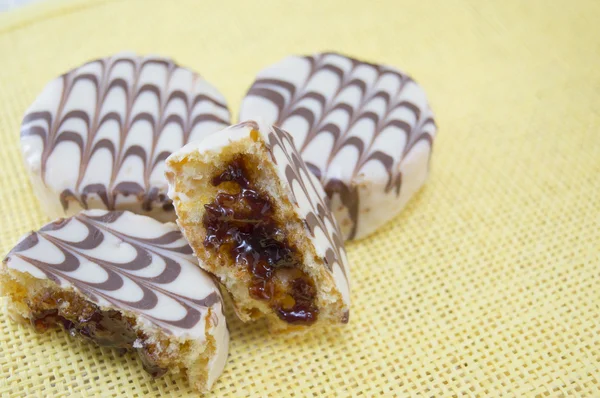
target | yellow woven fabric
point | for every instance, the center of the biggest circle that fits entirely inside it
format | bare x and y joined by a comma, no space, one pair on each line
488,284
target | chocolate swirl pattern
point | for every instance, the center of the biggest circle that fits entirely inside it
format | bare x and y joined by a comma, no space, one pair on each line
128,262
310,200
364,130
97,137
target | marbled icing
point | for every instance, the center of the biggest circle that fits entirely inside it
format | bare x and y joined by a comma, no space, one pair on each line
124,261
97,136
364,130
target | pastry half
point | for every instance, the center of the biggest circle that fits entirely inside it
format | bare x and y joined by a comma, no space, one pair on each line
125,281
259,221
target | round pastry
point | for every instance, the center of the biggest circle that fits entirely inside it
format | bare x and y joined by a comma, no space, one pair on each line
97,136
121,280
365,130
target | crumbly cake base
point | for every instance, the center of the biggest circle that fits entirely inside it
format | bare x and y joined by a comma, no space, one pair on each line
190,178
44,305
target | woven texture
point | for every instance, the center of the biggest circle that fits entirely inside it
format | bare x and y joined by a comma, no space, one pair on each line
487,284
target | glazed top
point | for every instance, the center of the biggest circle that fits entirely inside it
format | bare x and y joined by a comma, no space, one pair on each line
106,127
353,122
126,261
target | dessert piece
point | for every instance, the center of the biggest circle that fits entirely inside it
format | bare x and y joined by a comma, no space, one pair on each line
364,130
97,136
258,220
121,280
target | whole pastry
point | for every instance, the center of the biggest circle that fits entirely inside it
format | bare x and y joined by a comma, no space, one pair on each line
97,136
365,130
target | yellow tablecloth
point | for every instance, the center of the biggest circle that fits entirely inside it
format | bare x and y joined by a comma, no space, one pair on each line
487,284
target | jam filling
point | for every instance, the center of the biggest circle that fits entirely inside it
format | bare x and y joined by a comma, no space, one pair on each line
81,318
240,223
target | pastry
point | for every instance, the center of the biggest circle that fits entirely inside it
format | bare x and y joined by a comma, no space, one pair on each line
125,281
258,220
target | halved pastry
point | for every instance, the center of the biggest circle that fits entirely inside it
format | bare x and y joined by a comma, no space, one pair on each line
259,220
125,281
